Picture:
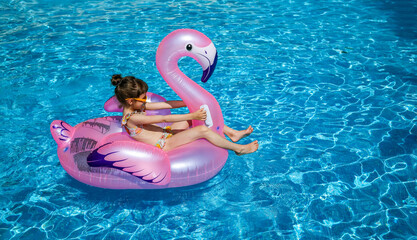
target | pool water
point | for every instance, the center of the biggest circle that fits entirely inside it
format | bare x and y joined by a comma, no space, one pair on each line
330,88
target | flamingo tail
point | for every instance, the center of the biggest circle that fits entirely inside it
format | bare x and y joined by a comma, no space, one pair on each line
61,132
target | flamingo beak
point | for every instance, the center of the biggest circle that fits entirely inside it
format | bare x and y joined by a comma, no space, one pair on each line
209,70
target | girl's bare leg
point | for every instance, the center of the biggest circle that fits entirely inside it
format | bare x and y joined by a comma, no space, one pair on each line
180,126
234,135
198,132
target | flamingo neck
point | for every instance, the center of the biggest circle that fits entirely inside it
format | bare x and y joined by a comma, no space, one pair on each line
189,91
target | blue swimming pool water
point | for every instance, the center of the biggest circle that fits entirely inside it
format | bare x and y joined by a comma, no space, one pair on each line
329,86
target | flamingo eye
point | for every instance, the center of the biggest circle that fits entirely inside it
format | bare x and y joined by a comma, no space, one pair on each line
189,47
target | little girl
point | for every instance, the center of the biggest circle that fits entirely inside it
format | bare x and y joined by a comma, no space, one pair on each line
131,93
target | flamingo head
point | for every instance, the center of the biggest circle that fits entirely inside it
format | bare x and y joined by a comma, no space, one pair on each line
187,42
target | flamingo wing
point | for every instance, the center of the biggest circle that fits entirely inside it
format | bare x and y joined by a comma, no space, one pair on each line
141,160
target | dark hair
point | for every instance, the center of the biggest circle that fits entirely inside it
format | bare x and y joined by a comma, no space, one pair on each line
128,87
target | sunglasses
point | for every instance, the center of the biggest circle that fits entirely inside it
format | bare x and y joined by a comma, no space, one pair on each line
138,99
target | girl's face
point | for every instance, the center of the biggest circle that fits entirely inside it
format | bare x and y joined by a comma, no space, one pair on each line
136,104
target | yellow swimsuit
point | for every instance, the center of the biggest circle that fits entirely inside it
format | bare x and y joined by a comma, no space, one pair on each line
165,135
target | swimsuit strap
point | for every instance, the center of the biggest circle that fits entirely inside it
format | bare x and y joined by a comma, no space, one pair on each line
143,108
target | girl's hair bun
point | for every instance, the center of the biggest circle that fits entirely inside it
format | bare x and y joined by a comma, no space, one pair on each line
116,79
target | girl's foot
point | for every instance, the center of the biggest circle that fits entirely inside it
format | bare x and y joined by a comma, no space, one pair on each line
248,148
237,135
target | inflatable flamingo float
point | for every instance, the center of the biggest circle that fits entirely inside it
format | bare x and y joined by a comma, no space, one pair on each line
97,152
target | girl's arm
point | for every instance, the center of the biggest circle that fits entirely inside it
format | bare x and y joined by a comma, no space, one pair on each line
138,119
164,105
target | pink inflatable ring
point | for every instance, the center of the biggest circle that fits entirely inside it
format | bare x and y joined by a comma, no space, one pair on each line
99,153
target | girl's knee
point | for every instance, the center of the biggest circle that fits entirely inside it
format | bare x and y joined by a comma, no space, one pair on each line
202,129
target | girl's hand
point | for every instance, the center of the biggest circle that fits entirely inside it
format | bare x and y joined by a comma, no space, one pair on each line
200,114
